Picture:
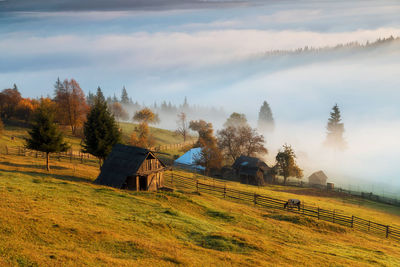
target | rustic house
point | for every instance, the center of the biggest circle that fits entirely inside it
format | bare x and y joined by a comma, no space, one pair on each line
317,179
133,168
251,170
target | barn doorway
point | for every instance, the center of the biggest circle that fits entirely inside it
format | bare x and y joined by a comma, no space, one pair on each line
142,183
130,183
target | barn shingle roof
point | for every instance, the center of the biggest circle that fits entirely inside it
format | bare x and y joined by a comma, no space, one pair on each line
123,161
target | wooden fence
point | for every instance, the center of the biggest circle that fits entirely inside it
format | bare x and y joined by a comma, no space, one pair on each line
172,146
68,155
394,200
201,185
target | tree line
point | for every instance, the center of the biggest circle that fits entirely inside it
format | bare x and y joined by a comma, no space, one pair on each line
95,118
238,138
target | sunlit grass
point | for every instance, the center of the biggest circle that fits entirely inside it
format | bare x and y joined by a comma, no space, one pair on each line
62,219
350,205
161,136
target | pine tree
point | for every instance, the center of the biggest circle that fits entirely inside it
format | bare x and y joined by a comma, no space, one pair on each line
115,99
45,135
90,99
335,127
101,132
265,119
185,106
124,96
58,86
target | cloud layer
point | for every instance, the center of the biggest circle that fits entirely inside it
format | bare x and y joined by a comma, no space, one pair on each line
75,5
213,53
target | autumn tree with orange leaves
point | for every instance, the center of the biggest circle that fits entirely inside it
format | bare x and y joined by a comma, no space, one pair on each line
71,104
141,136
26,108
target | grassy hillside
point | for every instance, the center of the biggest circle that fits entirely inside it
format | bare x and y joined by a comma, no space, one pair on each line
62,219
161,136
14,136
343,203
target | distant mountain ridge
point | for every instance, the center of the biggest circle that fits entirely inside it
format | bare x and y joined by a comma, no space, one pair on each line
340,47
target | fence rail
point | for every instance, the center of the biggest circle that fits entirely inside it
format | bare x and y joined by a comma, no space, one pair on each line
68,155
172,146
175,180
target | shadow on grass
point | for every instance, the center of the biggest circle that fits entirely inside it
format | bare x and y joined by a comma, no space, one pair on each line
51,175
33,166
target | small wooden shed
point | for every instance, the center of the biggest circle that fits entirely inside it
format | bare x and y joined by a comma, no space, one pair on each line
318,178
133,168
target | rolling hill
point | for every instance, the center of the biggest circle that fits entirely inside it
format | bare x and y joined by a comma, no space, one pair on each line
62,219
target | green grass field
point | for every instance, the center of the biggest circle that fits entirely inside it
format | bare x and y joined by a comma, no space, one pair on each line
62,219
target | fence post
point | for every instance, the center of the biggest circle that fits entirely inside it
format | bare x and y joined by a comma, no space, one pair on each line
369,225
224,190
255,199
6,149
197,186
352,221
318,213
387,231
333,216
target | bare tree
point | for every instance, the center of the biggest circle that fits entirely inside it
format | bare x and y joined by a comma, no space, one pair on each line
71,104
183,126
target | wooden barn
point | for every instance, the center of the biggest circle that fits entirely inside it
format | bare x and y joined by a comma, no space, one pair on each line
132,168
317,179
251,170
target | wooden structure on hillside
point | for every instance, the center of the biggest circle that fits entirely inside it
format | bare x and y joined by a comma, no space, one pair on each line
132,168
317,179
251,170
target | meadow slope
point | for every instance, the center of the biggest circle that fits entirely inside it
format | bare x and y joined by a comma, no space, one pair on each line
13,135
61,218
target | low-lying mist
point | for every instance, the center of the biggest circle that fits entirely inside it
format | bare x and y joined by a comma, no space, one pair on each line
301,89
369,163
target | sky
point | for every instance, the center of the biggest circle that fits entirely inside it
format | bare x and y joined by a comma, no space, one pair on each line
214,52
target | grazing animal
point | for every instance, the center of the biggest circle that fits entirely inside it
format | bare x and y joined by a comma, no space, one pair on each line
292,203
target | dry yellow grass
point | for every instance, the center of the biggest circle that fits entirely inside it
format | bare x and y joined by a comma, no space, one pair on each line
62,219
343,203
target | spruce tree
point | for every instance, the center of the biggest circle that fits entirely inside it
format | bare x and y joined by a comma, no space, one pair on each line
124,96
45,135
101,132
265,119
335,127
